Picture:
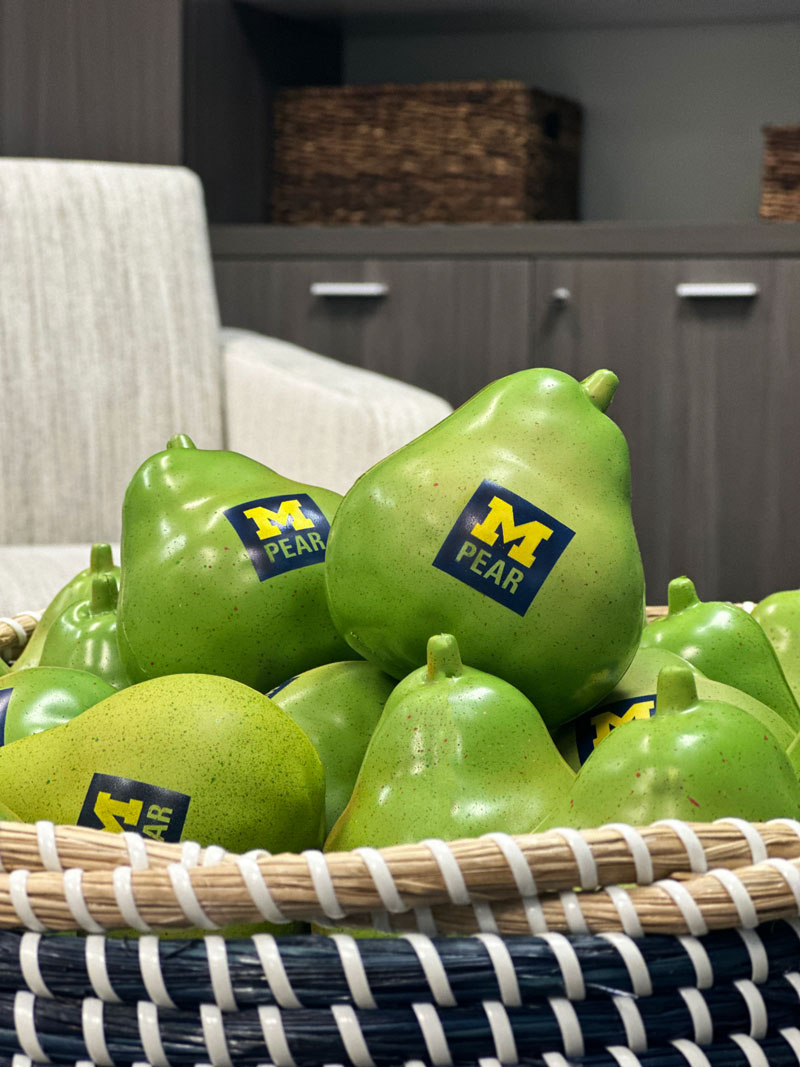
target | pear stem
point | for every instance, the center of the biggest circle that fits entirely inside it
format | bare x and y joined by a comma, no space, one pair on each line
444,658
100,558
681,594
600,388
105,593
676,689
181,440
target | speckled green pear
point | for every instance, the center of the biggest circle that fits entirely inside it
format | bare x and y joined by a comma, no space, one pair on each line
778,615
40,698
634,697
84,635
338,706
7,815
184,757
456,753
223,569
101,561
726,644
696,760
507,524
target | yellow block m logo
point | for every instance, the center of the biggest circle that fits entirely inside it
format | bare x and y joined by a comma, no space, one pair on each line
272,523
530,534
609,720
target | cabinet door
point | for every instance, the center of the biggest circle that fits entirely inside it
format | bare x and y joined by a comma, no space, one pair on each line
450,326
708,397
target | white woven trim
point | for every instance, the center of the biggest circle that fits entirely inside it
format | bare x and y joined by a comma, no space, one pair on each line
257,887
517,864
137,850
555,1059
700,959
504,970
687,906
433,1035
19,631
753,1052
570,902
758,849
742,901
791,876
567,1019
759,1017
700,1015
48,849
150,970
582,854
150,1033
691,842
187,898
534,913
691,1052
449,869
190,853
213,855
634,961
433,969
214,1035
94,1033
352,1035
274,971
793,978
640,853
791,1035
219,971
382,879
426,924
323,883
626,909
122,883
791,824
18,1060
759,961
29,964
97,969
624,1056
25,1026
354,972
73,894
275,1036
631,1019
484,916
569,964
18,892
505,1046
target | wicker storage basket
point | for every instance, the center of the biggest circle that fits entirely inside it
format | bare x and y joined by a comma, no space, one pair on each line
435,152
780,189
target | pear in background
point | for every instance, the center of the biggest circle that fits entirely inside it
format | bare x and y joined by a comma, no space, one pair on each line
634,697
696,760
101,561
778,615
726,644
338,706
40,698
223,570
185,757
456,753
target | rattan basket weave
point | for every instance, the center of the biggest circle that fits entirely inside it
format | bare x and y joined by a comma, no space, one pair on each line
434,152
780,188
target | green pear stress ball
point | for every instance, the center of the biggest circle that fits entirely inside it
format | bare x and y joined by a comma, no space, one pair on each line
508,524
223,570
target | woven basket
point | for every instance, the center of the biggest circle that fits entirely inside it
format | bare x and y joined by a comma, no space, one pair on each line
435,152
780,188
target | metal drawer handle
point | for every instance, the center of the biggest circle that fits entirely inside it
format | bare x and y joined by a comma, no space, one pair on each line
349,289
716,289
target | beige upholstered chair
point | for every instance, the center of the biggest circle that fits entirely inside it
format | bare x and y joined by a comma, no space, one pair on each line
110,343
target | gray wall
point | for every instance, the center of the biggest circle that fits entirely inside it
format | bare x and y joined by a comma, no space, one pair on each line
673,115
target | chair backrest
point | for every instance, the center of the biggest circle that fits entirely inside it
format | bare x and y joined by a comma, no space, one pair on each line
108,338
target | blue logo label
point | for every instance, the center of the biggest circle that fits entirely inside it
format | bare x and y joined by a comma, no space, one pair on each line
592,728
503,546
280,533
115,804
5,696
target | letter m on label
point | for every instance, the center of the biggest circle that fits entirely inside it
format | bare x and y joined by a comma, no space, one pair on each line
273,523
530,534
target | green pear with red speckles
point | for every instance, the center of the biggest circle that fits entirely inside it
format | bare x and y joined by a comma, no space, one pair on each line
697,760
456,753
223,566
508,524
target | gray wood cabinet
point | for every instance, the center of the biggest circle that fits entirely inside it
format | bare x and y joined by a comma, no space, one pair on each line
709,386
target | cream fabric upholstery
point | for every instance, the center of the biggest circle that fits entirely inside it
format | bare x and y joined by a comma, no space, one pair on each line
312,418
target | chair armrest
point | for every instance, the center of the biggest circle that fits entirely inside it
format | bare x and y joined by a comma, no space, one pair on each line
312,418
